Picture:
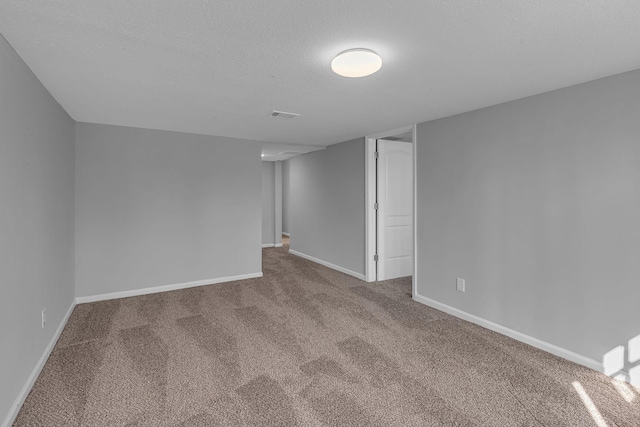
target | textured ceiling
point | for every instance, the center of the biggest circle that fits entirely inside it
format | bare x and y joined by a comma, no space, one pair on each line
220,67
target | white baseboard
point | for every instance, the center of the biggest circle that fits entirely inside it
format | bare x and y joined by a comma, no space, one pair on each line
26,389
519,336
286,234
327,264
165,288
272,245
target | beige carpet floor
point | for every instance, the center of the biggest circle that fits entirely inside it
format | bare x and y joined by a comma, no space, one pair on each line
306,346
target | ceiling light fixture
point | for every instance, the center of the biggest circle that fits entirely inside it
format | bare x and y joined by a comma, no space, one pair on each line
356,63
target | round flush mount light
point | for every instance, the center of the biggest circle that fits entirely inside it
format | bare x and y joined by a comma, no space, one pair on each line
356,63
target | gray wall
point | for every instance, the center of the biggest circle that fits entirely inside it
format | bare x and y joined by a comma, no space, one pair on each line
271,203
158,208
268,202
285,196
326,197
277,201
536,203
36,221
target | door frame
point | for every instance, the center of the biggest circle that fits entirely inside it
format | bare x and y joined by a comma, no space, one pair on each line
370,198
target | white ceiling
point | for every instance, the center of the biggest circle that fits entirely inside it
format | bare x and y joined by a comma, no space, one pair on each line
220,67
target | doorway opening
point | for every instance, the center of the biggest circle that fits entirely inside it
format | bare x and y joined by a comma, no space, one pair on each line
286,241
390,205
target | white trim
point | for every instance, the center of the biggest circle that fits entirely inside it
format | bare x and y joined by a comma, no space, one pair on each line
165,288
370,213
370,196
519,336
277,205
286,234
414,277
327,264
272,245
26,389
392,132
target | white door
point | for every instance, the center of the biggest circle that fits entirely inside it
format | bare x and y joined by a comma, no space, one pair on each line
395,209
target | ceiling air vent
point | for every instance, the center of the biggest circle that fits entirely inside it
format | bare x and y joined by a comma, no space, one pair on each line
290,153
284,114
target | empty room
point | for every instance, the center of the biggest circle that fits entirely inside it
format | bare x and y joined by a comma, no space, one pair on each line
298,213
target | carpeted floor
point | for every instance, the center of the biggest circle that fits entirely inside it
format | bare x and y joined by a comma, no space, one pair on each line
306,346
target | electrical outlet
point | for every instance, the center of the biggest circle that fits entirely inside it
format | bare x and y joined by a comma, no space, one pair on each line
460,284
44,317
